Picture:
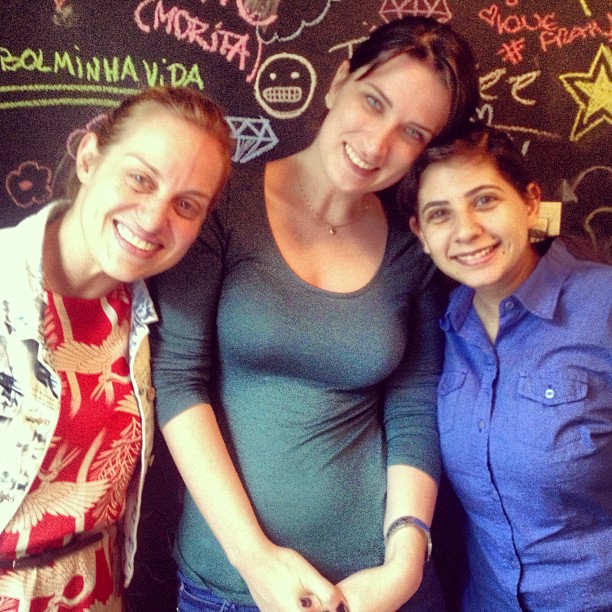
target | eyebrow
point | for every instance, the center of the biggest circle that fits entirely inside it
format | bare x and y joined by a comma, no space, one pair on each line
467,194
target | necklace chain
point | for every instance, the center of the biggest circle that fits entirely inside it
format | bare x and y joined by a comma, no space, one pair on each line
332,228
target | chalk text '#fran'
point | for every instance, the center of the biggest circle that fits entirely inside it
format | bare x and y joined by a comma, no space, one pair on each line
101,69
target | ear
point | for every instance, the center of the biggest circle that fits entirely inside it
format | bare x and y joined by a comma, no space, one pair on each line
416,230
342,74
86,157
533,199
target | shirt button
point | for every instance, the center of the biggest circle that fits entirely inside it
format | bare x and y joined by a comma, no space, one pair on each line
549,393
481,425
509,305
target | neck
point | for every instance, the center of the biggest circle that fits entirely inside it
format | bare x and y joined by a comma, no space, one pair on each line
488,299
328,206
69,275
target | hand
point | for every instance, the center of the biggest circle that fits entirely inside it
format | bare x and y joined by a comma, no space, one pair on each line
281,580
379,588
387,587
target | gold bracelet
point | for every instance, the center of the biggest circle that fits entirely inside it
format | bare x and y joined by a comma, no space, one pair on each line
407,521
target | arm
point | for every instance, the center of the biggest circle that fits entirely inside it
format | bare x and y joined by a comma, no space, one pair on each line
277,577
412,459
183,356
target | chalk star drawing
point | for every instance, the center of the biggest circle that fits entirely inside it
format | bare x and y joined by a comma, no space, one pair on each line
253,137
592,91
394,9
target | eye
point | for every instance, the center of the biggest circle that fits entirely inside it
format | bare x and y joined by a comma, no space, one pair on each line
416,134
188,209
140,182
485,200
374,102
437,215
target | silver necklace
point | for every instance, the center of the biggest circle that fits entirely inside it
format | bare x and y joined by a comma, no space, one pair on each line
331,228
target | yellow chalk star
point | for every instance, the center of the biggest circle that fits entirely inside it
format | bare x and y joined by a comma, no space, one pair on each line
592,91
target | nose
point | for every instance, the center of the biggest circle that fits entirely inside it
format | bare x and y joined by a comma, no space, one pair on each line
467,225
379,142
152,213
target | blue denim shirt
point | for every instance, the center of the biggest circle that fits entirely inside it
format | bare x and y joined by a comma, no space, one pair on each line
526,437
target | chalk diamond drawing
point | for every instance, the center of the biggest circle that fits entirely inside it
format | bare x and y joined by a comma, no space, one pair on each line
592,92
394,9
253,137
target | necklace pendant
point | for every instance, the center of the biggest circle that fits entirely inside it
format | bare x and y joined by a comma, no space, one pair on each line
332,230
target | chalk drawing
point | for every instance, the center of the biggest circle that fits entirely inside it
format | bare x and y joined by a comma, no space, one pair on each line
285,85
394,9
585,8
29,184
253,137
512,51
348,45
517,83
151,16
592,92
277,31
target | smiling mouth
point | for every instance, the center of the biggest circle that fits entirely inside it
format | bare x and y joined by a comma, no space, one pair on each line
134,240
352,155
475,256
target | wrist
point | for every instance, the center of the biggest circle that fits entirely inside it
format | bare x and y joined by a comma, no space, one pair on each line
417,526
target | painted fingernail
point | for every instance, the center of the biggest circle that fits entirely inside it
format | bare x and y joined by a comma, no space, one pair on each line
342,608
305,602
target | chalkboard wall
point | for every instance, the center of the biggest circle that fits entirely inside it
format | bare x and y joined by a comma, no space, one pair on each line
546,77
545,69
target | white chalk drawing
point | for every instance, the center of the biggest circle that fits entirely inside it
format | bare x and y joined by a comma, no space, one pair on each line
276,33
285,85
592,92
254,136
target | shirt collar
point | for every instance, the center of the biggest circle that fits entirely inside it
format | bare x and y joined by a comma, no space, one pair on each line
539,294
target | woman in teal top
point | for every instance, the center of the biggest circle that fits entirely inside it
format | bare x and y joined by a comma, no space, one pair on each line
298,353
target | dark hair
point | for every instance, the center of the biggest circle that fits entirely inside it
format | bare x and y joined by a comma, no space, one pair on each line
477,139
427,40
186,103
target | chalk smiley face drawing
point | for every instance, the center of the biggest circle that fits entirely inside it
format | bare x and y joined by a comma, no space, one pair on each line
285,85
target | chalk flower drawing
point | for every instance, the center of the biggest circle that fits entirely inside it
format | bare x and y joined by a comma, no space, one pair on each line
29,184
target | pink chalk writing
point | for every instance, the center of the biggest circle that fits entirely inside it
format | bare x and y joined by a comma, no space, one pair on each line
566,36
513,51
513,24
150,15
550,33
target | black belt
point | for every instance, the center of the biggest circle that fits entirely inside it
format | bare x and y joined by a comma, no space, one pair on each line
45,557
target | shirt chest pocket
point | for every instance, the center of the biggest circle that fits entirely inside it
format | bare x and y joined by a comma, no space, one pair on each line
449,393
554,412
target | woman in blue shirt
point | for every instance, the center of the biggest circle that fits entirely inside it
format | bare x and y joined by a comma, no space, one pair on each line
525,400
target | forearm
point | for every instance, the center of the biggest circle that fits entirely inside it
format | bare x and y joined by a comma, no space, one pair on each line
410,492
201,456
278,578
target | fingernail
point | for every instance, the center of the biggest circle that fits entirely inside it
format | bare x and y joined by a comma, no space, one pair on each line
342,608
305,602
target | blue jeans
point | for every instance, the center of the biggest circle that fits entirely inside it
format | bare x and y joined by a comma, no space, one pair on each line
193,598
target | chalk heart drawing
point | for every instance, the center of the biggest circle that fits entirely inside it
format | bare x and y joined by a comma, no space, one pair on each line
592,92
29,184
285,85
489,15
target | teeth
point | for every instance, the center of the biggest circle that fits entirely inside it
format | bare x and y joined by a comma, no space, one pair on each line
134,240
356,159
475,255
